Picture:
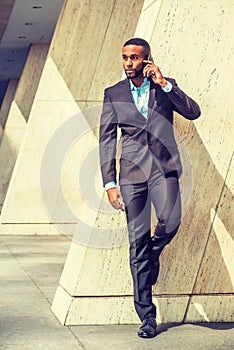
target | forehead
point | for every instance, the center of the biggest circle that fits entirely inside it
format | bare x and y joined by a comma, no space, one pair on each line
133,50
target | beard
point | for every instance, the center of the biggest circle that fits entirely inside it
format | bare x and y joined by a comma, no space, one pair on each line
136,73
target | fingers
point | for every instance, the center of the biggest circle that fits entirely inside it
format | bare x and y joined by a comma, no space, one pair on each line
115,198
153,71
121,202
150,69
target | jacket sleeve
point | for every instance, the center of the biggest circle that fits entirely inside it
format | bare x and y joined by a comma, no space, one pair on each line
183,104
107,140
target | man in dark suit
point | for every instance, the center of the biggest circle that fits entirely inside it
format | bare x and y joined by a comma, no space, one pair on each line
142,107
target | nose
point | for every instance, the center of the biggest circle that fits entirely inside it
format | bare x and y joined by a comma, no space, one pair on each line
129,62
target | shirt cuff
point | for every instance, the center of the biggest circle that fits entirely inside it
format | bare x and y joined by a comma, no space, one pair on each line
168,87
109,185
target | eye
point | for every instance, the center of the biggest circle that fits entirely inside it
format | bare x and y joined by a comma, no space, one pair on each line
134,57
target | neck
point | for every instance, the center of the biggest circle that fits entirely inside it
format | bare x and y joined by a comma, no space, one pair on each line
138,81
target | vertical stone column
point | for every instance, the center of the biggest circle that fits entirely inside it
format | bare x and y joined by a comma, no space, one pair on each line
15,112
5,107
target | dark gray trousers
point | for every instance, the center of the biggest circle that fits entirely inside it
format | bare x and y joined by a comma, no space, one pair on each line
145,250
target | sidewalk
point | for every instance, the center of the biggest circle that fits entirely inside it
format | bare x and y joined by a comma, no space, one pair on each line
30,268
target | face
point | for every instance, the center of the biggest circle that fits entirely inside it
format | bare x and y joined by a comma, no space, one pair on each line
133,56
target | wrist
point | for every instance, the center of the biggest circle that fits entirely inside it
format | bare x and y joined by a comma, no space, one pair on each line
109,185
167,88
163,83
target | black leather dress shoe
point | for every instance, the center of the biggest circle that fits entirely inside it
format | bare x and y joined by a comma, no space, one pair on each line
148,328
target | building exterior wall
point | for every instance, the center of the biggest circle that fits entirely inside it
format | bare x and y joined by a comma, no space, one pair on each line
59,150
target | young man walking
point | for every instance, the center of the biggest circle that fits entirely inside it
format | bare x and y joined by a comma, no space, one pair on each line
142,106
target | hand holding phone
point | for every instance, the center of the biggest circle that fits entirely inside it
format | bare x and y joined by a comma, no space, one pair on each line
152,71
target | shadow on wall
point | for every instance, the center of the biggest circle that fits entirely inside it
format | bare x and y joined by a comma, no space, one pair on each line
8,155
198,260
10,146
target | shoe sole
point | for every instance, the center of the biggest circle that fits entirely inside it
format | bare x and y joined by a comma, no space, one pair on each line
146,336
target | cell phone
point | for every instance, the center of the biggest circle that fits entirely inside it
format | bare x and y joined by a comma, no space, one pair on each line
150,58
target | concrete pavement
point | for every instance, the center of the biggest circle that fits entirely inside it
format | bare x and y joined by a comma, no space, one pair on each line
30,268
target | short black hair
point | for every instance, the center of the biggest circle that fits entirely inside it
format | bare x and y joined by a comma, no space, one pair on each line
138,42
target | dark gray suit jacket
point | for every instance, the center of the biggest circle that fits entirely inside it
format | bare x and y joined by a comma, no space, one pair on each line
143,140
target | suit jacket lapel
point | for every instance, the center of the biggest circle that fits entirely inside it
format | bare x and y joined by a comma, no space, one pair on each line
126,93
127,97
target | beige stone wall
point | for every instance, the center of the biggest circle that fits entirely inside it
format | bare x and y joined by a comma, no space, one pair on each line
189,42
52,189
